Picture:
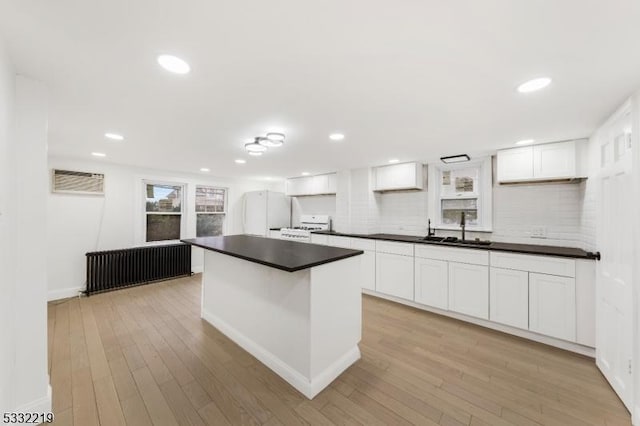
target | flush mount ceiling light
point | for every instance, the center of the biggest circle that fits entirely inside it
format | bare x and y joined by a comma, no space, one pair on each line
273,140
533,85
455,159
525,142
240,161
114,136
204,169
173,64
336,136
393,161
255,146
98,154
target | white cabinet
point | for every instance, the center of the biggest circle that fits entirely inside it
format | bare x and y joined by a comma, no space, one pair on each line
368,270
397,177
274,234
311,185
432,282
509,297
469,289
320,239
554,160
337,241
515,164
552,306
394,275
559,160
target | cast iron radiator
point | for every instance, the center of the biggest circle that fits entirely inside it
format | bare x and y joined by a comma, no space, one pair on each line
110,270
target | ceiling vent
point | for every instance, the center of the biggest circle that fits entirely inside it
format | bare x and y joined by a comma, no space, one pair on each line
70,182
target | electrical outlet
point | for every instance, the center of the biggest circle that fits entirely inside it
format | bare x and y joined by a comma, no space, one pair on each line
539,232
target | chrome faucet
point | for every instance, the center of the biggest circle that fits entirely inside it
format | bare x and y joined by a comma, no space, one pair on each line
462,224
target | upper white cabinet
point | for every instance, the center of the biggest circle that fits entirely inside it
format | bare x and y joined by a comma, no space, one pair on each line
311,185
398,177
560,160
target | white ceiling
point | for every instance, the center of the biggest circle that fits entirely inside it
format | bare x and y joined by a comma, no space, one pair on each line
410,79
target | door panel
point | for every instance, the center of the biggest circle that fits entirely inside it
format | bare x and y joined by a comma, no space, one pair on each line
469,289
432,282
394,275
509,297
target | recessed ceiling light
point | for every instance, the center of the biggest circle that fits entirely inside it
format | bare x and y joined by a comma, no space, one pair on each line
255,153
204,169
305,173
535,84
336,136
98,154
173,64
241,161
394,160
525,142
114,136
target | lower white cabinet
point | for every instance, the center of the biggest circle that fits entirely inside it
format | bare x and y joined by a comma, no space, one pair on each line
337,241
320,239
469,289
509,297
552,305
394,275
368,270
432,282
274,234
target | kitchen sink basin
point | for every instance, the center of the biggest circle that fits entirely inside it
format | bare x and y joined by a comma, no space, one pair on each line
474,242
433,238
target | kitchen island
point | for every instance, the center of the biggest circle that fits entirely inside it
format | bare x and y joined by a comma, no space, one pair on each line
296,307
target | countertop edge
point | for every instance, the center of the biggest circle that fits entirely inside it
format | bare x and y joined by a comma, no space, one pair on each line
275,265
587,255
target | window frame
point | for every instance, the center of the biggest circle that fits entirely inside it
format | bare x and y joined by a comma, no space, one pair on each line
183,213
224,212
483,193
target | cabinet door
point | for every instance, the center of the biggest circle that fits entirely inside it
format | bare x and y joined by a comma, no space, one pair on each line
368,270
336,241
319,239
298,186
515,164
432,282
319,184
469,289
552,306
398,176
509,297
274,234
554,160
394,275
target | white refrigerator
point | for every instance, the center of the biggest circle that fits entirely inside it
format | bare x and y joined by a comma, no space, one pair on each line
263,210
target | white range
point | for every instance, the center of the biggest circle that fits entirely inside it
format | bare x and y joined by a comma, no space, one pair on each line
308,223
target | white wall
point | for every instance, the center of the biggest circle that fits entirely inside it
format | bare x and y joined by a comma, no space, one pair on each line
80,224
24,382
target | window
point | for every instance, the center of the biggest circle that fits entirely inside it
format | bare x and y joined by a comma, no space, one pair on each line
211,205
163,211
458,188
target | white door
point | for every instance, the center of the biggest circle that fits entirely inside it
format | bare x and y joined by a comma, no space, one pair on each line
552,306
432,282
255,213
469,289
509,297
614,309
394,275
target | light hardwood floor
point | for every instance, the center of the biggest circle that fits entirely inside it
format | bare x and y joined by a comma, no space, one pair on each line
143,356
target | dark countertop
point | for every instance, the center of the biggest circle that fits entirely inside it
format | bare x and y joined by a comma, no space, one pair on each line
285,255
495,246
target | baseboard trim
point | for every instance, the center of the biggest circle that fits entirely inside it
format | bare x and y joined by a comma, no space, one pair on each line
197,269
63,293
525,334
40,405
308,387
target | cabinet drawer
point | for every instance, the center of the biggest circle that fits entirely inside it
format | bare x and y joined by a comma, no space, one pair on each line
319,239
403,249
363,244
472,256
336,241
540,264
